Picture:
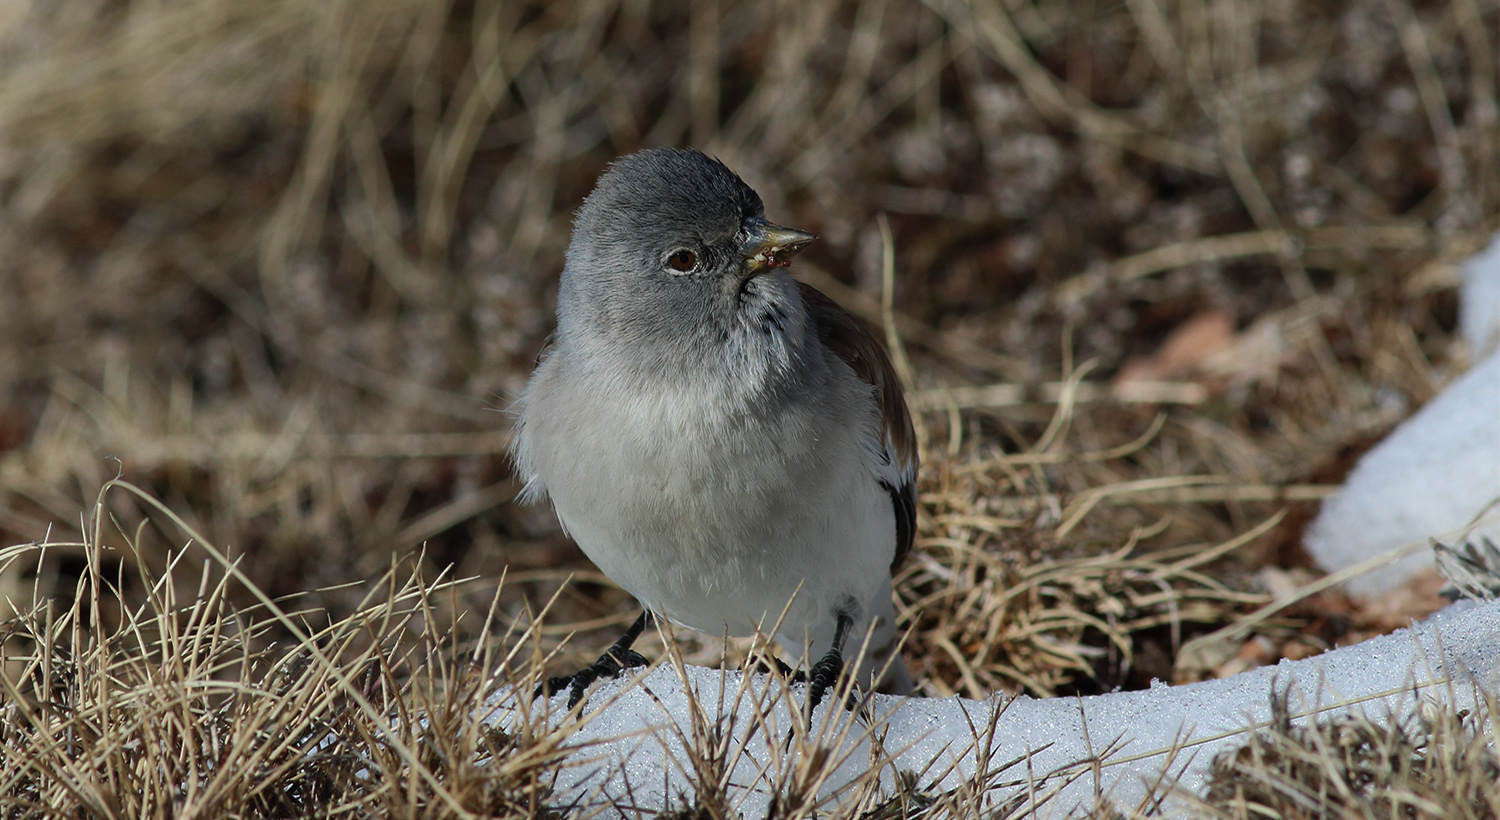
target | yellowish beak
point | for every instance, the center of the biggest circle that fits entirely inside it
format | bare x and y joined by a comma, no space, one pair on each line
773,246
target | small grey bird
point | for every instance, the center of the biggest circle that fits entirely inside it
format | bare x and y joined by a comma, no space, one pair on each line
725,443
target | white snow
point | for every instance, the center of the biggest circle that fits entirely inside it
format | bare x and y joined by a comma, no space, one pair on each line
1435,473
636,755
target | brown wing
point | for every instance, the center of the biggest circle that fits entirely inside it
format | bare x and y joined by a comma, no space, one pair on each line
851,342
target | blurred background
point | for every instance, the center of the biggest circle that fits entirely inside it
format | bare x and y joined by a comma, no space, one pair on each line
1163,269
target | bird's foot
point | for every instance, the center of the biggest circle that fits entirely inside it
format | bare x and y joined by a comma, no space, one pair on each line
777,666
821,678
616,659
825,673
608,666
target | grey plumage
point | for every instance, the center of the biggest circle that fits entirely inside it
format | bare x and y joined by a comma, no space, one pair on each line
715,436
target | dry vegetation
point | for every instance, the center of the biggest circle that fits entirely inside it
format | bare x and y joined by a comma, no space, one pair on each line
1161,271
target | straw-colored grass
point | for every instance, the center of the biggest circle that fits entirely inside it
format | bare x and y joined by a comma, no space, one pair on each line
1438,763
175,707
1157,274
179,707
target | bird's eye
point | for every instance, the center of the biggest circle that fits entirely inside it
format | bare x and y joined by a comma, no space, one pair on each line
682,260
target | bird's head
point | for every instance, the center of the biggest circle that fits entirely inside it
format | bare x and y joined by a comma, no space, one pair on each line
673,244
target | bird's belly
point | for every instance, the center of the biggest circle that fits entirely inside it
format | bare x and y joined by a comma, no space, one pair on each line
719,527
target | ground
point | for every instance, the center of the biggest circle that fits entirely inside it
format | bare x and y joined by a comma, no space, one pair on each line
1159,274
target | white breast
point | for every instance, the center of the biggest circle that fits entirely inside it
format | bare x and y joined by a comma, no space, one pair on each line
715,514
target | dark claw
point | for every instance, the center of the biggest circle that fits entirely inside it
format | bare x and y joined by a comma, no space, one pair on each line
780,667
824,674
579,682
615,660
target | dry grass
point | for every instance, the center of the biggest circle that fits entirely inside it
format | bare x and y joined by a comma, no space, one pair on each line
1437,764
1161,272
178,707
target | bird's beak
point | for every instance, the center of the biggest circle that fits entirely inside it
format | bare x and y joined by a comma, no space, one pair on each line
772,246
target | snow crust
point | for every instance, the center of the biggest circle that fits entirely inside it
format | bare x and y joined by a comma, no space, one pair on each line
1435,473
630,754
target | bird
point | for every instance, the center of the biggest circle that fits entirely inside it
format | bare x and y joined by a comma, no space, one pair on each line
724,442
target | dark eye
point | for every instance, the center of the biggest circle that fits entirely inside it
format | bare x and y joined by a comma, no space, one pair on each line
683,260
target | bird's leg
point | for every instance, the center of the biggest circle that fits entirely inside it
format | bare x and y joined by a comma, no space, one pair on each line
825,672
616,659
